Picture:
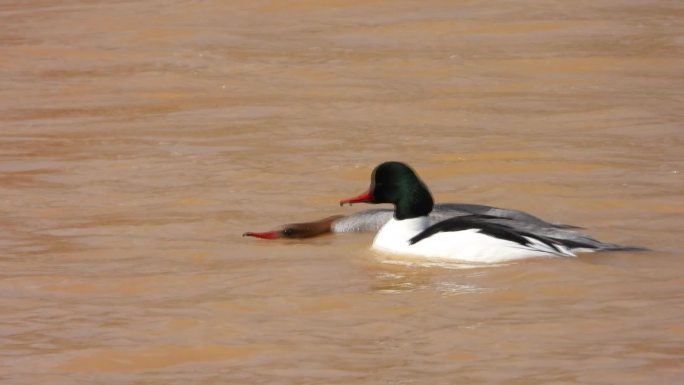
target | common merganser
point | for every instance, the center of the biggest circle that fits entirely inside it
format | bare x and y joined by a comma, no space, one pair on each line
474,237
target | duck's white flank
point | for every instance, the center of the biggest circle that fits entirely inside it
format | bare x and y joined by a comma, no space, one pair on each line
466,245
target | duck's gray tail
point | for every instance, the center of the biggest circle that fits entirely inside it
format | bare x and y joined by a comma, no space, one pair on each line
591,244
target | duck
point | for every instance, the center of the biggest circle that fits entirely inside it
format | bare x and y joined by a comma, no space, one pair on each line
482,235
373,220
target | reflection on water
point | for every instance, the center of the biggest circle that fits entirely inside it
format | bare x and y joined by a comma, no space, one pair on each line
396,283
140,140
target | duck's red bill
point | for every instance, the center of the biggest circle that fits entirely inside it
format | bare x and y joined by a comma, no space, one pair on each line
365,197
266,235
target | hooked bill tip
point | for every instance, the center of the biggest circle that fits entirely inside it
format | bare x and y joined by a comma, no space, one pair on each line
366,197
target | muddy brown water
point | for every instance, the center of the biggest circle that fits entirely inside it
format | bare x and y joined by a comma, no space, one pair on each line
138,140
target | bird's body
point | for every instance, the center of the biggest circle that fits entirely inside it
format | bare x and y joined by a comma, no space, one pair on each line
473,233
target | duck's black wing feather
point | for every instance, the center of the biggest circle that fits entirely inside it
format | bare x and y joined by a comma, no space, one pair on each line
485,224
566,235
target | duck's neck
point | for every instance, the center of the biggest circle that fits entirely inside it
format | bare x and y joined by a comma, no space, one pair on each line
411,225
414,204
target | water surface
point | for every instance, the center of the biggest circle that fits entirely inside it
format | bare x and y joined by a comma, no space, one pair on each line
138,141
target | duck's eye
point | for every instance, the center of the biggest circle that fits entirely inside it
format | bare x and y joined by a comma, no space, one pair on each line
289,232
